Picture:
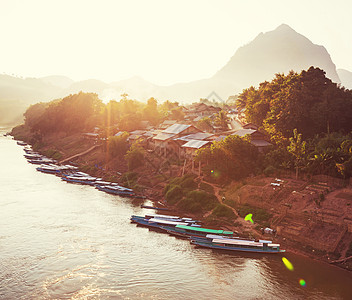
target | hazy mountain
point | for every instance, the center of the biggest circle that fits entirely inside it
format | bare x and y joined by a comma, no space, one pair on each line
59,81
277,51
16,94
346,78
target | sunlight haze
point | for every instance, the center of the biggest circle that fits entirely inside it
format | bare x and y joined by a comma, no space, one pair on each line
164,42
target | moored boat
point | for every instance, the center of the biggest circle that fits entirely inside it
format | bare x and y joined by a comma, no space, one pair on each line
190,231
237,244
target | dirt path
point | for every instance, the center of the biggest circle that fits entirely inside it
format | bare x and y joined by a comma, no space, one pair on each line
79,154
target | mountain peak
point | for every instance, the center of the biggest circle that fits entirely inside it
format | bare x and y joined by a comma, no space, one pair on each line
284,27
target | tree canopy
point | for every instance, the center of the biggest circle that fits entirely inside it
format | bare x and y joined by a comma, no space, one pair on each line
308,101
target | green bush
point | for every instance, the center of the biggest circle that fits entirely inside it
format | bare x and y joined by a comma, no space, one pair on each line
206,187
259,214
269,171
129,178
174,194
52,153
222,211
198,201
190,206
186,182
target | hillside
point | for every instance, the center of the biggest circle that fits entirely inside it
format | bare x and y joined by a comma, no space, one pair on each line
346,78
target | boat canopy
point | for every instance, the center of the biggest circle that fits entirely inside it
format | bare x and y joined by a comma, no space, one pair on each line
237,242
204,230
274,245
162,216
166,222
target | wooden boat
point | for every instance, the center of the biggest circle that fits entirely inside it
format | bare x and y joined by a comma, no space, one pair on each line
156,223
167,218
79,179
237,244
190,231
153,207
41,161
21,143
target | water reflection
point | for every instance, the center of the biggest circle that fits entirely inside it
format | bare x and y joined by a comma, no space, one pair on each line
65,241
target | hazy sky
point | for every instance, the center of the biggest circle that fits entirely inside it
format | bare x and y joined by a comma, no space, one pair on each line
162,41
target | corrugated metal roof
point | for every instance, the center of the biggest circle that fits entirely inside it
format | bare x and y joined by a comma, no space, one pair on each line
243,132
163,136
195,136
196,144
260,143
176,128
220,138
139,132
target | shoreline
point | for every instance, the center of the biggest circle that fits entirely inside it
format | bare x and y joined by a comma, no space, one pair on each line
154,195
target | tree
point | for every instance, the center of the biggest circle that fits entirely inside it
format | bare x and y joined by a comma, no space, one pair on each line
117,145
297,148
135,156
205,124
150,112
222,119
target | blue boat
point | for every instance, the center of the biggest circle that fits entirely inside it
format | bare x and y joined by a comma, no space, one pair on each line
190,231
155,223
237,244
79,179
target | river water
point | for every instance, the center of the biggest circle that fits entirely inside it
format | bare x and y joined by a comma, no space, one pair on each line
67,241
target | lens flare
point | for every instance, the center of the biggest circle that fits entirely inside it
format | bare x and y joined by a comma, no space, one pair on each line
249,218
302,282
287,263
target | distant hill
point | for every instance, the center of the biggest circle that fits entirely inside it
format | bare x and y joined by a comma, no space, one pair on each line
346,78
59,81
277,51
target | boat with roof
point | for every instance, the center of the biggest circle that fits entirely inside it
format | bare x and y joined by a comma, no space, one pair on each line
236,244
190,231
160,222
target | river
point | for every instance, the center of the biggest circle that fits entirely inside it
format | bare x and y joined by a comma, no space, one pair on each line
67,241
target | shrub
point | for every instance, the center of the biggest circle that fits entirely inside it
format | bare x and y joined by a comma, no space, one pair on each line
174,194
206,187
198,201
129,178
259,214
222,211
52,153
269,171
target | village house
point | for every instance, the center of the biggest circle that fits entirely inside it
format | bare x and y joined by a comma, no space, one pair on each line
164,142
256,137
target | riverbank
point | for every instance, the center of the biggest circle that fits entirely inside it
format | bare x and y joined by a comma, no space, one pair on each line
306,222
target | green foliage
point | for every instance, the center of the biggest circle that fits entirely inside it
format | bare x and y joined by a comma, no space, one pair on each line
150,112
198,202
117,145
297,148
205,124
53,153
222,211
232,158
135,156
173,194
186,182
308,101
269,171
222,119
129,179
206,187
259,215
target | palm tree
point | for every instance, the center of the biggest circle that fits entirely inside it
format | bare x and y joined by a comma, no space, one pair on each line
222,119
